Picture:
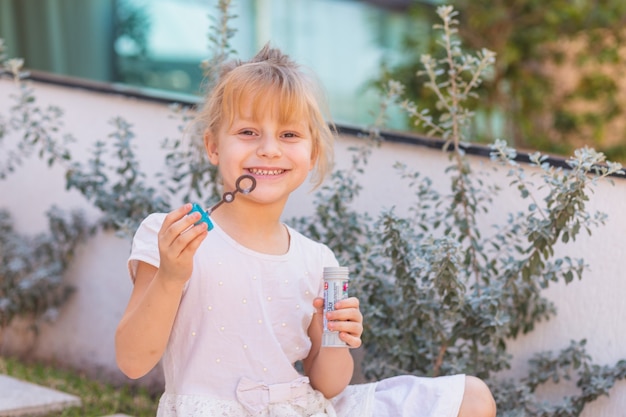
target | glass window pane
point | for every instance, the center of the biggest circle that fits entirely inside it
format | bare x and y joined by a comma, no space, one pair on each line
159,44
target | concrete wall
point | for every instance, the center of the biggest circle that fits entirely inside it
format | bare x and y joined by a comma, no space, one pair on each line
83,334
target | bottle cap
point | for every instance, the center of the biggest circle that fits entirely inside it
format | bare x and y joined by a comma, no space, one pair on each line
331,339
336,272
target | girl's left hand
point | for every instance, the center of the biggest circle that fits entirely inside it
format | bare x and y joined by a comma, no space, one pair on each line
345,319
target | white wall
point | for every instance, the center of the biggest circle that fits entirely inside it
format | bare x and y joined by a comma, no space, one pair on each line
83,334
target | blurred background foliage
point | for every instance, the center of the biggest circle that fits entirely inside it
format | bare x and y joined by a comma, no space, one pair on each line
556,85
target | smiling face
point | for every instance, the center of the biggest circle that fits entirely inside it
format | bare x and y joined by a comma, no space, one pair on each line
267,142
268,97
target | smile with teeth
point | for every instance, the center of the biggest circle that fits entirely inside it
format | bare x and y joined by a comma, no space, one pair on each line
268,172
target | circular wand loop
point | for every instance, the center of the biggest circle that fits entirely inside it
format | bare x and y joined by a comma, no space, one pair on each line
244,185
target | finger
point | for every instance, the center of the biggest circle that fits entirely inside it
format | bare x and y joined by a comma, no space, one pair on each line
345,314
179,222
352,341
318,304
192,238
176,246
350,302
352,327
175,215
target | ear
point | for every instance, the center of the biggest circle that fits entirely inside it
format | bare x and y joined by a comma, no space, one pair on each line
210,144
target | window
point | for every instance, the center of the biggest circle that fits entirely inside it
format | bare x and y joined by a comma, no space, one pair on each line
159,44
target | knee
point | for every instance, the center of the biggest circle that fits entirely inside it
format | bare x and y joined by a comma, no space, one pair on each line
477,399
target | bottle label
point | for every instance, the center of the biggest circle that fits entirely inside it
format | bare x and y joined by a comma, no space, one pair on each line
335,289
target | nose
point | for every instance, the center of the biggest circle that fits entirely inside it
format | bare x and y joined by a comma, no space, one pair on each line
269,146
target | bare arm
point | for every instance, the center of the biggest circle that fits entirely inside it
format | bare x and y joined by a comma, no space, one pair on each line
145,327
330,368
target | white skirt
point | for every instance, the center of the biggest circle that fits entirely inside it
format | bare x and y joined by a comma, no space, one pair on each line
401,396
410,396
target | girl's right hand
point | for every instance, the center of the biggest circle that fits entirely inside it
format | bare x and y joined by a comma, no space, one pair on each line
179,238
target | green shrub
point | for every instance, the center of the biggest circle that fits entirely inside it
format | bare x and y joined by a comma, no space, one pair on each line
438,295
32,268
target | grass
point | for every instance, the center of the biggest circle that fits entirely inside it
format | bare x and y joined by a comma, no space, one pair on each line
98,398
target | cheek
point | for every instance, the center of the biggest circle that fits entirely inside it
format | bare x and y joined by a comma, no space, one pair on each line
222,153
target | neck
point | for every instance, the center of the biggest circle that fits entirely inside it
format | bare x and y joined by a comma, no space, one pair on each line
260,230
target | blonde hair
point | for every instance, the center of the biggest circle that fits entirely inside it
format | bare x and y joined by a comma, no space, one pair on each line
271,75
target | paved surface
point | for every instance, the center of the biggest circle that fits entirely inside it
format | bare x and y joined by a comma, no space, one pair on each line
19,398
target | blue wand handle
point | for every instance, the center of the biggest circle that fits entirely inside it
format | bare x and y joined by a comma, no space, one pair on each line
205,216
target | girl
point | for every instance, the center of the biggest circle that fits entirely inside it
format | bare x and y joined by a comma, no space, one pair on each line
232,310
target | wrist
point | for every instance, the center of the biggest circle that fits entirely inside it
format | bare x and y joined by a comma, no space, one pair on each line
168,285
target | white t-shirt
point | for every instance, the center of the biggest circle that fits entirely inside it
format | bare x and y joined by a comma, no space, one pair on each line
242,325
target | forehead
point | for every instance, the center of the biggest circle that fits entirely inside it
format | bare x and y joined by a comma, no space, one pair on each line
253,98
270,105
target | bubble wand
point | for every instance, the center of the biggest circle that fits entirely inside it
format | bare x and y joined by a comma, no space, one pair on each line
227,197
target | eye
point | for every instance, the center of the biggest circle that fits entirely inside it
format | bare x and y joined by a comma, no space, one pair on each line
246,132
291,135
